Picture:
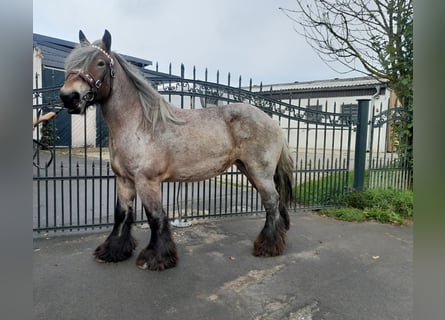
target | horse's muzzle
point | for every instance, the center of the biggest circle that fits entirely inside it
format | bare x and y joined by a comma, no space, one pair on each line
71,101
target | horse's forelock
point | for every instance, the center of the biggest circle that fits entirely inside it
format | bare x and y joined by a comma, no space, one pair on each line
80,57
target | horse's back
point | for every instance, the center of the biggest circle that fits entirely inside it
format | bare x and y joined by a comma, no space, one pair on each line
259,138
251,125
244,111
246,125
214,138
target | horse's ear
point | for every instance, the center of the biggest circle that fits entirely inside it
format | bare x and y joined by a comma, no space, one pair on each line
106,39
82,39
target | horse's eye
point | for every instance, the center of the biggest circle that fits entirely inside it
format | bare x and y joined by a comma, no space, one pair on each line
101,63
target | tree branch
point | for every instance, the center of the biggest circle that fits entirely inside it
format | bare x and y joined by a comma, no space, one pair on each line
346,31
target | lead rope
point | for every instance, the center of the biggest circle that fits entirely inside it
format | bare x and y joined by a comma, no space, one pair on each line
36,163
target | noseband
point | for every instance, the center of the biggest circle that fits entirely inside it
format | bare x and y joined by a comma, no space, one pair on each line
94,84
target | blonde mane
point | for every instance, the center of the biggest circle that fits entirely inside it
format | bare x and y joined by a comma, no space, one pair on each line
155,108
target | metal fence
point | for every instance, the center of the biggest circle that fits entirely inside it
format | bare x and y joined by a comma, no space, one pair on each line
74,185
391,165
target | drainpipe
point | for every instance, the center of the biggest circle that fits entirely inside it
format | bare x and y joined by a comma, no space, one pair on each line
374,97
377,93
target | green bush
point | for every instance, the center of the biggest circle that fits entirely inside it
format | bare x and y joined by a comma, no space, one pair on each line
355,199
49,136
383,205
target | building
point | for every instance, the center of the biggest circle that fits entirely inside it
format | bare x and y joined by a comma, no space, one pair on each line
335,95
331,96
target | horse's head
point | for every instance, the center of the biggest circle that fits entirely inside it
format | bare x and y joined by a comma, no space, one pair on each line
89,73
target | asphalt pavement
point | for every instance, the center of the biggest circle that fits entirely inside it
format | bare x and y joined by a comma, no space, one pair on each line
330,270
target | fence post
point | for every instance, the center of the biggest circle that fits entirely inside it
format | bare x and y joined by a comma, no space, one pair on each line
360,144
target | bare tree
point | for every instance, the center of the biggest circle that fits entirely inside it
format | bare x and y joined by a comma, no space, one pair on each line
374,37
369,36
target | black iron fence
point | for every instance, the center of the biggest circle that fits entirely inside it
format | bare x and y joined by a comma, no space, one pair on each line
76,190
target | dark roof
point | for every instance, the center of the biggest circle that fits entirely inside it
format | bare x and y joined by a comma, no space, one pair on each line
56,50
349,87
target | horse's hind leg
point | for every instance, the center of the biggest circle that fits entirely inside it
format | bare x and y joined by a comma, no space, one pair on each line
160,254
120,243
272,238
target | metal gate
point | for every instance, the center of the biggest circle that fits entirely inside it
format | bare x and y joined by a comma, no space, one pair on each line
76,191
390,158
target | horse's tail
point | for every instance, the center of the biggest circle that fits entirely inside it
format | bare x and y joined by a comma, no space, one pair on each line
283,182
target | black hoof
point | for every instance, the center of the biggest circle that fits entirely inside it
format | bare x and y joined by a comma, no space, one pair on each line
149,259
115,249
263,247
270,243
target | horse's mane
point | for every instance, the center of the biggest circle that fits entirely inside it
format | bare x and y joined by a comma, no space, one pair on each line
155,108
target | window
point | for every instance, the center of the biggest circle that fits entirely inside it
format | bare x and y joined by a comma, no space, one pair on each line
350,111
52,78
313,113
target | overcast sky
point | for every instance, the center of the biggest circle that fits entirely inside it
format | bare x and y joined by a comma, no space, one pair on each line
251,38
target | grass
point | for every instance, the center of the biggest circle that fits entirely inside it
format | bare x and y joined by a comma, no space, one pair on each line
382,205
325,190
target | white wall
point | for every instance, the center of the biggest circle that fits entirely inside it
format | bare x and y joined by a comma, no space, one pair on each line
316,137
310,136
36,69
78,122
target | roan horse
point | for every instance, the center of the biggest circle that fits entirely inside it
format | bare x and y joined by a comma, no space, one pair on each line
151,141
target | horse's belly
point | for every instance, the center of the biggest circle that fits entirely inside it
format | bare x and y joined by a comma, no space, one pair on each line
196,170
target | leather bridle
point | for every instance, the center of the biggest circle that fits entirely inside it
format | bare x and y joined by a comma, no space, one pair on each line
94,84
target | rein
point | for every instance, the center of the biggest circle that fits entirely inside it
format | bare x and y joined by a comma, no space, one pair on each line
94,84
43,146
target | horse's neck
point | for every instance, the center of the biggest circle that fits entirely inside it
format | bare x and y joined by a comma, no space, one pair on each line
122,110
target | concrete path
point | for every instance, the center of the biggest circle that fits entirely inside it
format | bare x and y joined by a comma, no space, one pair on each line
330,270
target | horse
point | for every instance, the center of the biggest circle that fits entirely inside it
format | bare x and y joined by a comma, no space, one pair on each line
152,141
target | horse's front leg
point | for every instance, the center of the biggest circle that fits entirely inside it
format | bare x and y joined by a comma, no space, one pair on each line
120,243
160,254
